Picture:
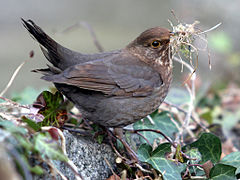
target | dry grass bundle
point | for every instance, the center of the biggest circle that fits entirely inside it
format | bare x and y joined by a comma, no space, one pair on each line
182,43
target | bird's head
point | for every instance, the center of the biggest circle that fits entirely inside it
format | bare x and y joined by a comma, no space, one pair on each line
152,46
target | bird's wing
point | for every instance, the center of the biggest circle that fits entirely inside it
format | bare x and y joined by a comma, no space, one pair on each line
121,75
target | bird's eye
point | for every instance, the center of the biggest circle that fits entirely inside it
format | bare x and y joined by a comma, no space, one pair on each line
155,44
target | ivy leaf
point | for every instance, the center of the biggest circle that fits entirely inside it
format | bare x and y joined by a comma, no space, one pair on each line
232,159
162,122
209,146
48,148
161,150
196,157
156,158
144,152
222,172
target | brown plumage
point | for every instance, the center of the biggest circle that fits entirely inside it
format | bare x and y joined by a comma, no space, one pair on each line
114,88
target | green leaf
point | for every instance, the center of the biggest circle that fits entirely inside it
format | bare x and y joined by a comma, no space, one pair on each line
144,152
194,153
196,157
207,116
232,159
222,172
23,141
169,169
178,154
37,170
161,150
53,103
31,124
209,146
11,127
100,139
48,148
162,122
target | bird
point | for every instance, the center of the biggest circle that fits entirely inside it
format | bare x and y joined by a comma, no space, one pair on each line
114,88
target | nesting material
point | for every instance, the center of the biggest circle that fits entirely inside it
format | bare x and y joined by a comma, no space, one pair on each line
182,43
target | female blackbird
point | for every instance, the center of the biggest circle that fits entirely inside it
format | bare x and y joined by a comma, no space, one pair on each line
113,88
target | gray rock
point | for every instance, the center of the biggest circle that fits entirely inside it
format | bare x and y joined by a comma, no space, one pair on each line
88,156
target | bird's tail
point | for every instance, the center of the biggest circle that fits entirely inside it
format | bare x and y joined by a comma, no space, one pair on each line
40,35
51,47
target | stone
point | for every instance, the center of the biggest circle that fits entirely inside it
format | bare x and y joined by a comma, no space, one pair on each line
89,157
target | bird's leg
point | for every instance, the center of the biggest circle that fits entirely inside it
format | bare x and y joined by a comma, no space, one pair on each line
119,134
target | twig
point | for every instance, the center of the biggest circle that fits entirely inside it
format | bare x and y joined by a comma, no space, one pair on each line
186,173
142,169
109,165
143,137
152,130
60,133
192,98
208,30
185,112
191,106
174,15
166,137
7,116
118,154
12,78
93,34
9,104
111,143
72,166
31,54
12,103
198,177
51,165
198,165
151,120
81,132
90,30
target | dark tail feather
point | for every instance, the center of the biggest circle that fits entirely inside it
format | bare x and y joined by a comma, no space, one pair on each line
40,35
56,54
48,71
47,42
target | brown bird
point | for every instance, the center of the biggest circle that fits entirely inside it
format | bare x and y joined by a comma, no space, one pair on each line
115,88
